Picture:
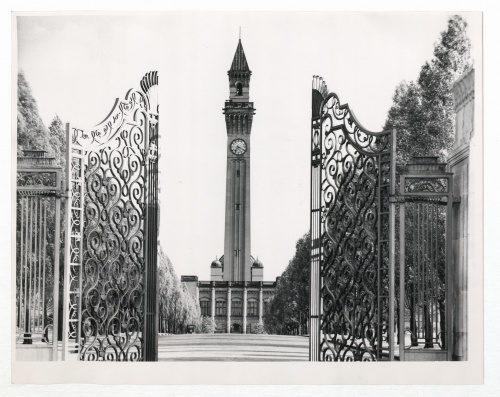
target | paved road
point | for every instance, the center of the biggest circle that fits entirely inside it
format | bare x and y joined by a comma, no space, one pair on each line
232,347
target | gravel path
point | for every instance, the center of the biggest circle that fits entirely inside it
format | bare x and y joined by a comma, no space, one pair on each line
232,347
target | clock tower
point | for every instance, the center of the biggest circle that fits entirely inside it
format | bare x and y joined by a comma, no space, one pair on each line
238,111
236,297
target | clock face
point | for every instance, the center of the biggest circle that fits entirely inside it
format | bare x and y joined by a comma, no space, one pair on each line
238,146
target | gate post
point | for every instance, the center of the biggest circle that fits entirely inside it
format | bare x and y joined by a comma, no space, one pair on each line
37,227
74,192
458,163
57,244
401,328
392,244
151,227
319,92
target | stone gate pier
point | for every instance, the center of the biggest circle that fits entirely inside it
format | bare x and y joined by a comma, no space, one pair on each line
467,209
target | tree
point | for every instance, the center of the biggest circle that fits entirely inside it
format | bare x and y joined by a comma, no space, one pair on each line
288,311
177,308
259,328
208,325
31,133
422,111
57,142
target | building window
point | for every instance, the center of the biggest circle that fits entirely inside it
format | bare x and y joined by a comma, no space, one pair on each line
252,308
205,308
237,207
220,308
266,307
239,89
236,308
237,172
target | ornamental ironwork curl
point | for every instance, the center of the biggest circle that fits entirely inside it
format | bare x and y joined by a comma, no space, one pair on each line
113,259
426,185
355,173
74,248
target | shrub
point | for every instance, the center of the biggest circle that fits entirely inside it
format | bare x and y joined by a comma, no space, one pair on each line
258,328
208,325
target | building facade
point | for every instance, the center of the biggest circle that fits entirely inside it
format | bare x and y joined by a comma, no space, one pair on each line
236,295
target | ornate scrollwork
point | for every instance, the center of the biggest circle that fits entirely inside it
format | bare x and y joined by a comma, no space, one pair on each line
113,259
355,174
113,192
426,185
36,179
335,116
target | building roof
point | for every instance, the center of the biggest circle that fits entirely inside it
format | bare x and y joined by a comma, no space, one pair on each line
240,61
221,260
216,263
257,263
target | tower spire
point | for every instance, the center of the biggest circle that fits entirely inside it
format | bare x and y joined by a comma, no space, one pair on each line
239,63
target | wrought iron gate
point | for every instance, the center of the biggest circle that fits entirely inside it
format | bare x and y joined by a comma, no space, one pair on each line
353,244
425,205
110,287
37,265
352,235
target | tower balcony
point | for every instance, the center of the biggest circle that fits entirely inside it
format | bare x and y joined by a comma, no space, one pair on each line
232,106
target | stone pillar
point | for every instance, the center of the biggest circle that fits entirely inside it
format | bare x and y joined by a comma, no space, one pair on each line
228,324
245,294
212,300
260,302
458,162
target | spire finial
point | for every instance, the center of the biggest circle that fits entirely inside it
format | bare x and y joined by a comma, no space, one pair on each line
240,32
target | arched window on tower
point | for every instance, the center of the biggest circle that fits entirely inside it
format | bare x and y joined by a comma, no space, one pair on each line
239,89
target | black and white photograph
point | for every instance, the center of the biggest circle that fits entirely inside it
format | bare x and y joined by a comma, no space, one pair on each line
247,197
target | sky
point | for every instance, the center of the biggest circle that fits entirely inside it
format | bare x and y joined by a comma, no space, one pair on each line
77,66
